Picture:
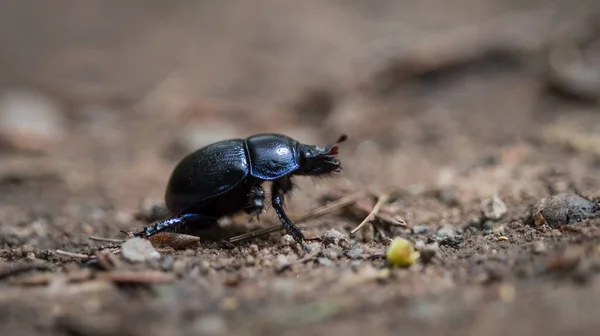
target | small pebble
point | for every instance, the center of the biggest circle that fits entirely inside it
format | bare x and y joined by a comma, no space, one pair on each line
493,208
539,247
563,209
287,240
204,266
335,237
138,250
250,261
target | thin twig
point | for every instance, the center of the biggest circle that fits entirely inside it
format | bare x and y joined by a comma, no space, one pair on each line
106,240
328,208
362,210
382,199
72,255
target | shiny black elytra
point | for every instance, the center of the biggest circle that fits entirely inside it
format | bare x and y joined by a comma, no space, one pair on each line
226,177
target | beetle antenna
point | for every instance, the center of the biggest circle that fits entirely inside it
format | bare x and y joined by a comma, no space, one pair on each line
341,139
334,147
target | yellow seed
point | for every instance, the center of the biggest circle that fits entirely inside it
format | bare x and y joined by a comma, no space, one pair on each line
503,238
401,252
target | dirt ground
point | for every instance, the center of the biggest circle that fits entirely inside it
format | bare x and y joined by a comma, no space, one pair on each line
467,118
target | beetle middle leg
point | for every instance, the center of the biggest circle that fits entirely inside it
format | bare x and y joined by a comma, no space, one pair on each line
278,191
256,202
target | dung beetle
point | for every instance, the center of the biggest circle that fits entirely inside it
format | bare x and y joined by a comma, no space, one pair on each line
226,177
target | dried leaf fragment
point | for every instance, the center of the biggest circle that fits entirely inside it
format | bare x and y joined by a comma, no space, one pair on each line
176,241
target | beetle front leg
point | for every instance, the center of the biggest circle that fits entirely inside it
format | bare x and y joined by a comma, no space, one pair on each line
256,202
278,190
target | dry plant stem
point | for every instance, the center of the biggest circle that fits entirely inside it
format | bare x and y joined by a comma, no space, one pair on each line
382,199
106,240
333,206
383,218
72,255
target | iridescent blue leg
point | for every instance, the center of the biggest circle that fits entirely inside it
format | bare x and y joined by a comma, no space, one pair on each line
166,224
278,190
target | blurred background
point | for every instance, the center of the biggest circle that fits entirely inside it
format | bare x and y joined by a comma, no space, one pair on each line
100,99
450,102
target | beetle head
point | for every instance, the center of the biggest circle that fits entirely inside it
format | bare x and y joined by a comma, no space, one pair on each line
320,160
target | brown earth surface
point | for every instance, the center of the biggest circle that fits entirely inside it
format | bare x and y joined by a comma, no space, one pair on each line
465,117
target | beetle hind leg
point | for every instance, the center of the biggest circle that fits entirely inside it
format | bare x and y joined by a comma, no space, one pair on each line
165,225
256,202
